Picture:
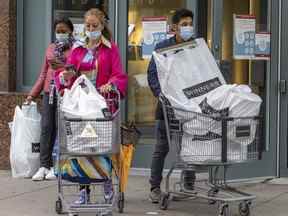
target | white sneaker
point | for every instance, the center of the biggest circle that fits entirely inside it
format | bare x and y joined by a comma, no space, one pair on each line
40,174
50,175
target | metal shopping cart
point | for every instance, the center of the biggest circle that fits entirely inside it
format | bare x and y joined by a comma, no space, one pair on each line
211,143
87,138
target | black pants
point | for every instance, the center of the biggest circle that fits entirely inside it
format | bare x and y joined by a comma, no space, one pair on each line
48,131
161,150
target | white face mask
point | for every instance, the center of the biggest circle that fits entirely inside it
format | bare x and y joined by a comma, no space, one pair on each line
186,32
62,37
94,35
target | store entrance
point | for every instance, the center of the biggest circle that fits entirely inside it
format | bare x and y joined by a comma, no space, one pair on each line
214,22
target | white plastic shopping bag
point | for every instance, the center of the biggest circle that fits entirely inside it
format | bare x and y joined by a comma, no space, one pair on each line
25,141
83,100
193,149
239,99
191,80
187,74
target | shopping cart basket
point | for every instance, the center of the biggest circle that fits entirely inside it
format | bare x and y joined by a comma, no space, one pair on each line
212,143
87,138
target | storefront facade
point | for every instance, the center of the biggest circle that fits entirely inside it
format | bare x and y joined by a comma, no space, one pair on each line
213,21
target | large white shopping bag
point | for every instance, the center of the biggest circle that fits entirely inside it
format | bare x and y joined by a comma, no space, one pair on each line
187,74
25,141
83,100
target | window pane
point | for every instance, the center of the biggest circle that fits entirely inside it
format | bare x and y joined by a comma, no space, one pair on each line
34,41
141,102
254,73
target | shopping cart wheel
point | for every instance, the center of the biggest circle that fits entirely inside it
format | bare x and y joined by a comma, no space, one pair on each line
212,193
121,200
58,206
106,214
244,208
164,201
224,209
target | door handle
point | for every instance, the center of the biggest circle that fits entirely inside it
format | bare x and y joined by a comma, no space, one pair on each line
283,86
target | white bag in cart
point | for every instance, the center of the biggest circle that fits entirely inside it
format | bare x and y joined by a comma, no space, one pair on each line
241,103
191,80
83,100
89,136
238,98
187,74
233,101
203,151
25,141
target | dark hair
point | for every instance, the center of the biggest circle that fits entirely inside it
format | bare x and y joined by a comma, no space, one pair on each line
180,14
65,21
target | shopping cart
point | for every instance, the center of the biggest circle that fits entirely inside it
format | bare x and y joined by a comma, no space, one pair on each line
211,143
87,138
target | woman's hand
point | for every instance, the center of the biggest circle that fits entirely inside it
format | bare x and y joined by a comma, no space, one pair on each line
29,99
56,64
106,88
67,75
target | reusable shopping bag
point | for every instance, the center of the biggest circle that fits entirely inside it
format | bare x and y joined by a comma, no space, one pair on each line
25,141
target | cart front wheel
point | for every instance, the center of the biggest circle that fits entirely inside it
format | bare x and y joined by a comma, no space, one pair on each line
244,209
211,194
58,206
121,200
224,209
164,201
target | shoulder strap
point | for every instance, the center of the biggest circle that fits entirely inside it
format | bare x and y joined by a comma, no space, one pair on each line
79,64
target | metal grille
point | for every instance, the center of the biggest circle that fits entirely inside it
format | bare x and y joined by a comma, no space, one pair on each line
91,136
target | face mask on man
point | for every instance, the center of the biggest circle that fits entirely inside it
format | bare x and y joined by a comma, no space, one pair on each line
94,35
186,32
62,37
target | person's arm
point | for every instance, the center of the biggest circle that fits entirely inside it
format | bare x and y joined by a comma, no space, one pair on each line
63,79
118,77
39,84
152,77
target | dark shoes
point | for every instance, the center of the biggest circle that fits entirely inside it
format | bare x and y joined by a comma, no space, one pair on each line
155,195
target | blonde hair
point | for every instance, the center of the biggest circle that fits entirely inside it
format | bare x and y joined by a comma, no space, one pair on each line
102,18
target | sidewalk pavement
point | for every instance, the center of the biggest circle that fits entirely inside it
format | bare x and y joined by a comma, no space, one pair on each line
22,197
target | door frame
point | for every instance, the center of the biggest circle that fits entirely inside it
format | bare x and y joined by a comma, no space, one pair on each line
283,105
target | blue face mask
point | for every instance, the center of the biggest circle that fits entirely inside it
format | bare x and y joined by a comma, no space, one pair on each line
186,32
93,35
62,37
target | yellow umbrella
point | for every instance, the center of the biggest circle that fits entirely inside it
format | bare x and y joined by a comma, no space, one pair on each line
122,163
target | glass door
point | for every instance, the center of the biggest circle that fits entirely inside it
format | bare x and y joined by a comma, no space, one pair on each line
146,19
253,72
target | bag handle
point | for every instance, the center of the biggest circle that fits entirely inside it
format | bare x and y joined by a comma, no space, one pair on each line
83,80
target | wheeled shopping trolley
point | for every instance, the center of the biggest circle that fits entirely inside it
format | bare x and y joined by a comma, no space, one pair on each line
88,138
211,143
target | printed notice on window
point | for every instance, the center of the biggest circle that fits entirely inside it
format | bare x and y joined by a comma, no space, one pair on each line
262,46
244,36
154,31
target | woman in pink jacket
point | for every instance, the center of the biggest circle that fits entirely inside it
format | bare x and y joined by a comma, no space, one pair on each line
98,58
55,58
